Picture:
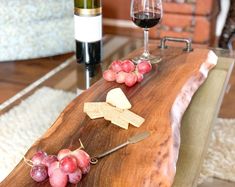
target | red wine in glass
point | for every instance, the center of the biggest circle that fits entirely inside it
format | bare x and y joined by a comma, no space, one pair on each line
146,14
146,19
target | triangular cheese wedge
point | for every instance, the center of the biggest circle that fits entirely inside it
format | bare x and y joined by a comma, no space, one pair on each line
117,98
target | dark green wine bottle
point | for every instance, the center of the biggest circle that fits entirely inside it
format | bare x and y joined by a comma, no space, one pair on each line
88,31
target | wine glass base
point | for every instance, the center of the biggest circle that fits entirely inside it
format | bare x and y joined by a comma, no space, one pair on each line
152,59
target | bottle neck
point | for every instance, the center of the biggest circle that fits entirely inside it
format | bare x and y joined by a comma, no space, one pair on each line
87,4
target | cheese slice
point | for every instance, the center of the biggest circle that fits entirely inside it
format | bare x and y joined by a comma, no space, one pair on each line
132,118
117,98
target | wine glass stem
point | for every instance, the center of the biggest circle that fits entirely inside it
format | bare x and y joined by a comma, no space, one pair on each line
146,41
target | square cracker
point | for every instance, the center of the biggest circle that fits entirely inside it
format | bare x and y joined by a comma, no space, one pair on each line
93,109
120,122
92,106
110,112
132,118
94,115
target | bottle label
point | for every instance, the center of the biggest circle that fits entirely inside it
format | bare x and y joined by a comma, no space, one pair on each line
88,24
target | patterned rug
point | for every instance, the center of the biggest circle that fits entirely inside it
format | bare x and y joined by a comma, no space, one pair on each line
25,123
220,158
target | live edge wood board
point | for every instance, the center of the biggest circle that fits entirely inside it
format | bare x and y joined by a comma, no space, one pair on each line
161,99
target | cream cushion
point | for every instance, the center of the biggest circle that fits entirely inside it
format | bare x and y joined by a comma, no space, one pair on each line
32,29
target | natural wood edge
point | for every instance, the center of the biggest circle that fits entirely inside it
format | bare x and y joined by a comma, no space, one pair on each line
182,102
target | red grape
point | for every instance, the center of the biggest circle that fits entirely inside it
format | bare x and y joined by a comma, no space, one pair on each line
86,169
128,66
131,79
75,177
58,178
144,67
83,160
68,164
140,77
38,157
120,77
62,153
38,173
48,160
109,75
116,66
52,167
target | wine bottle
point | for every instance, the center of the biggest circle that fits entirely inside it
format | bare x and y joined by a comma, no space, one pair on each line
88,31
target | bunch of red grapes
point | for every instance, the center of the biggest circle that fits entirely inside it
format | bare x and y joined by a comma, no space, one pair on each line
127,72
67,166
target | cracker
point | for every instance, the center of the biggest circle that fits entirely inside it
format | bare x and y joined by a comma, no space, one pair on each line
117,116
120,122
110,112
92,106
132,118
94,115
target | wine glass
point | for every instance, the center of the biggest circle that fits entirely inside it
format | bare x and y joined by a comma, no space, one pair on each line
146,14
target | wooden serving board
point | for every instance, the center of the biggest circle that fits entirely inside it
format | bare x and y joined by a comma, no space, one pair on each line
161,99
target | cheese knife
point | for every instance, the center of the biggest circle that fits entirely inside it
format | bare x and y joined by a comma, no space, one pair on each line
134,139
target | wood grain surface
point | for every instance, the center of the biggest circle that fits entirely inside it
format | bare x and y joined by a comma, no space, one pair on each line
147,163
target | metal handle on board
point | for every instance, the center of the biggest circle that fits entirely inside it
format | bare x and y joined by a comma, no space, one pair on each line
187,41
